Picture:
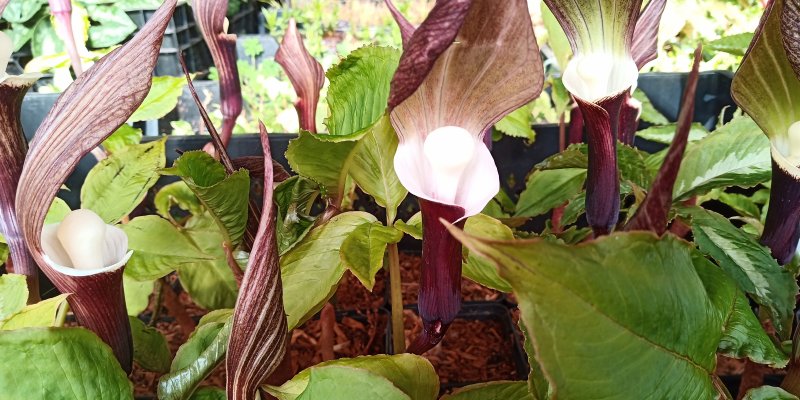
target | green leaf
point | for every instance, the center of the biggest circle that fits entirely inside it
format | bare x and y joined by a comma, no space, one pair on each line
162,98
556,38
43,314
209,393
150,349
501,390
22,10
294,198
326,163
123,137
747,262
225,197
111,25
117,184
363,250
665,133
359,89
547,189
177,194
768,393
412,375
13,295
194,361
344,383
412,227
311,271
630,160
733,44
60,363
4,252
519,123
649,113
618,346
737,154
159,248
57,212
477,268
744,337
137,294
210,283
373,166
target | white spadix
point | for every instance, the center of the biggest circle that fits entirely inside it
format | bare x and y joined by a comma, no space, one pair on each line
449,150
82,243
793,150
594,76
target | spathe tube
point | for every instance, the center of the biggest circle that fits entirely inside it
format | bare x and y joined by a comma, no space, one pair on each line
89,111
305,73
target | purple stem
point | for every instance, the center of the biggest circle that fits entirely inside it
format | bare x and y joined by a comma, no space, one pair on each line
782,227
440,278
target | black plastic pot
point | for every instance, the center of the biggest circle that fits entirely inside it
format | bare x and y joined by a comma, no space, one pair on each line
479,311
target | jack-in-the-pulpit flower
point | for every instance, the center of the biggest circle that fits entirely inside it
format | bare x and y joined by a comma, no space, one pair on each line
767,87
210,16
13,147
444,96
305,73
62,13
600,77
83,256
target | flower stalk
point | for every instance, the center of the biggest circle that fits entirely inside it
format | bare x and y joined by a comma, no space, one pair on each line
210,16
13,147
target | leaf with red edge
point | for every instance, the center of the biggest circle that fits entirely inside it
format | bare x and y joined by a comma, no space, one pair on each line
258,334
88,112
305,73
645,36
210,16
652,214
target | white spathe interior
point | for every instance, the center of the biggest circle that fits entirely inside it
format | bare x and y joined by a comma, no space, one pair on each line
83,244
789,147
449,165
449,150
594,76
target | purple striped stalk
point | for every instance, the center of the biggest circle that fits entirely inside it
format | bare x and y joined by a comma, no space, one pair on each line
13,147
767,87
468,65
600,77
305,73
61,10
653,213
259,332
210,16
88,112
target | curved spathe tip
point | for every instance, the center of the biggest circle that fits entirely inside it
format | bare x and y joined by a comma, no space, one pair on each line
595,76
471,188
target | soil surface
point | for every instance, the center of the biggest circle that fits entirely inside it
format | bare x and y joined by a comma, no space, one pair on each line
472,351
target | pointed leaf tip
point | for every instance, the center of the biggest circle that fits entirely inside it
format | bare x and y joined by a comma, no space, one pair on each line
305,73
653,214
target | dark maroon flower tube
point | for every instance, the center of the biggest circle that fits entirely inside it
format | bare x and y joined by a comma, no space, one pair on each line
13,148
305,73
782,227
440,276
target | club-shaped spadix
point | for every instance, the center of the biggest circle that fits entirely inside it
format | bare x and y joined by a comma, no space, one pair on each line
449,150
